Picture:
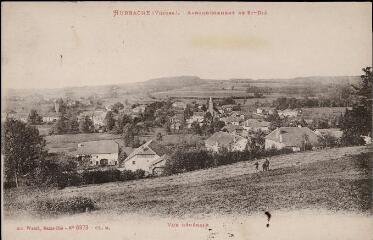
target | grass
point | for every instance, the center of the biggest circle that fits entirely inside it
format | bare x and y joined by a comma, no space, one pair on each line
333,179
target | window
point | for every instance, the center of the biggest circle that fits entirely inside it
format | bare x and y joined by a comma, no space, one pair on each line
115,163
133,162
96,162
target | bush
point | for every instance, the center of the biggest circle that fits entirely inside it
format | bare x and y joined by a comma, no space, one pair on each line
53,206
127,175
139,173
94,177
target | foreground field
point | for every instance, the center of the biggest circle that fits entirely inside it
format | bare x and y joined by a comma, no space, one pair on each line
333,179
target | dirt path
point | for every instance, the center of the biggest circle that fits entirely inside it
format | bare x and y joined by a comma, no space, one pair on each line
227,171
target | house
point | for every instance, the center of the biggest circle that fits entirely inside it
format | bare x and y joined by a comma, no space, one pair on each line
295,138
139,109
232,120
98,153
179,105
288,113
176,121
97,117
228,107
150,157
224,140
256,125
234,129
197,117
367,139
265,111
240,114
50,117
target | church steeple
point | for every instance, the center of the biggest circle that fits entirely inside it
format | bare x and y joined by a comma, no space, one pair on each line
211,107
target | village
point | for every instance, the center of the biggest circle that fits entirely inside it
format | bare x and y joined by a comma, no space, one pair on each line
143,137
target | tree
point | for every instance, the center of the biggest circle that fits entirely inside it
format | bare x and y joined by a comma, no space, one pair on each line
109,121
128,134
358,121
196,128
23,148
34,117
58,127
228,101
122,121
86,125
257,141
122,157
116,107
159,136
72,125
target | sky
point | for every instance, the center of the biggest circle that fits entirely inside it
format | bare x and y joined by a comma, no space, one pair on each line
52,45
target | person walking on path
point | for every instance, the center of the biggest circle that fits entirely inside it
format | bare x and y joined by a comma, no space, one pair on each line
267,164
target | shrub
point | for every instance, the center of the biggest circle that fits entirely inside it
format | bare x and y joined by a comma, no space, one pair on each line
127,175
139,173
57,206
94,177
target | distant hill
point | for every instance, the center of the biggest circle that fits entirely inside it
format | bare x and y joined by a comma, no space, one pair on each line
304,80
167,83
170,84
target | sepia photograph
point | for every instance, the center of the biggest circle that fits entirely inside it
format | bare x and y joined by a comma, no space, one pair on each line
186,120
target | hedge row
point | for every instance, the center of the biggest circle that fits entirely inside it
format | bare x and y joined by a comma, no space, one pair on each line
186,160
95,177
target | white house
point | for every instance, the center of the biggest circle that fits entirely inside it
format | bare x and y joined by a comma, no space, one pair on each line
288,113
50,118
295,138
150,157
224,140
265,111
98,153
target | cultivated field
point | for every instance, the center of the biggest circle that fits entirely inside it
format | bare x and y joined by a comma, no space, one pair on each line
331,179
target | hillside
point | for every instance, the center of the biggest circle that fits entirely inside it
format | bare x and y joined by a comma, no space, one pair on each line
331,179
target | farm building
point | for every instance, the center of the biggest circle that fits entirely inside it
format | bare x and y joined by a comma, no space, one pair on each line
231,120
295,138
221,140
256,125
234,129
149,157
98,153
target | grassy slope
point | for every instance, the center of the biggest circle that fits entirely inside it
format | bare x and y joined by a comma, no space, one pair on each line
336,179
